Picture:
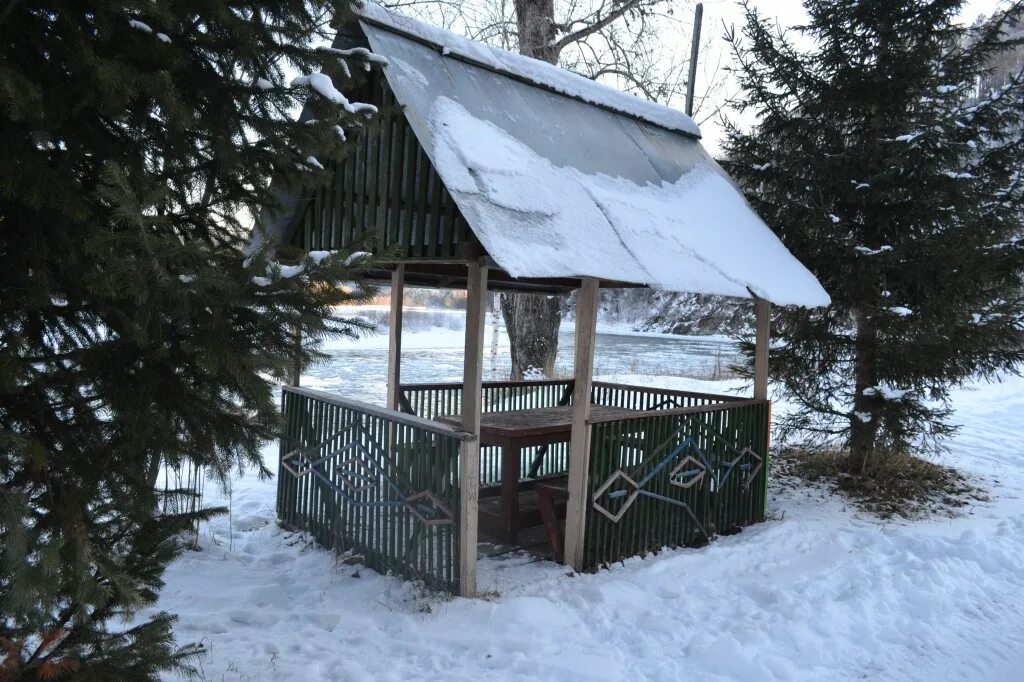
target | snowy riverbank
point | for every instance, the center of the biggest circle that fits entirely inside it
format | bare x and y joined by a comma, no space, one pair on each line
818,592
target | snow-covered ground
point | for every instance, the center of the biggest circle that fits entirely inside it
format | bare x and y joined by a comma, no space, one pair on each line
818,592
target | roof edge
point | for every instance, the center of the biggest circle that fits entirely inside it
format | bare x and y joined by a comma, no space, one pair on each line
385,19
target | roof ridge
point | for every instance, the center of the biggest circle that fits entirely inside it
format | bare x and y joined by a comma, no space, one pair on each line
533,71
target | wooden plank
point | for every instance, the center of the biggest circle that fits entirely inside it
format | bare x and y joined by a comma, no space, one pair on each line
762,311
627,388
448,385
510,492
469,454
597,417
381,412
395,338
579,447
536,421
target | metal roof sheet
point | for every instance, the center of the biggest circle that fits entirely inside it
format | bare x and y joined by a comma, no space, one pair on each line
554,186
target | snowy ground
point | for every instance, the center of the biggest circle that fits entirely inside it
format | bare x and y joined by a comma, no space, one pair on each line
819,592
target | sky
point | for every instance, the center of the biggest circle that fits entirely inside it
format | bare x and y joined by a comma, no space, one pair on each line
718,13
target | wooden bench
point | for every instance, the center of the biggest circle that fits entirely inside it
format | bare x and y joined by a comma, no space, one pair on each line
552,498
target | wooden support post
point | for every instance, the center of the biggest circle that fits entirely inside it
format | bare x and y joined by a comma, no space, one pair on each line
579,447
763,313
469,454
395,337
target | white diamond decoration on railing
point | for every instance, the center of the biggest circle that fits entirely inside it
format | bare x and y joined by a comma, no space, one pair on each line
361,472
743,463
296,463
356,475
426,507
630,493
688,473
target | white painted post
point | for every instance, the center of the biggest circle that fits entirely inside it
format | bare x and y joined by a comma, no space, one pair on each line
395,337
763,312
469,452
579,447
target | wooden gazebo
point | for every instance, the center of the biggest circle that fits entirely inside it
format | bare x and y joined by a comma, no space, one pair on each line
491,171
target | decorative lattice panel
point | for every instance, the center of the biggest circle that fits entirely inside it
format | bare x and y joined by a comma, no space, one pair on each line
674,479
372,485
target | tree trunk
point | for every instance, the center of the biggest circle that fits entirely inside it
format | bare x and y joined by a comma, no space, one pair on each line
535,21
153,470
532,321
864,433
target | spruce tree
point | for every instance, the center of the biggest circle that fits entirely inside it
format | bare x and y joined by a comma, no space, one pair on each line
884,167
139,328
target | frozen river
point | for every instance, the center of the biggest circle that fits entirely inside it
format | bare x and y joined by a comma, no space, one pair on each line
430,353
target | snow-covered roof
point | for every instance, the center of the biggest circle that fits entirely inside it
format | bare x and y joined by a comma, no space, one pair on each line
532,70
554,186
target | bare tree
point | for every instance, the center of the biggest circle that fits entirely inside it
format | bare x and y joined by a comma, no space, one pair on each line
619,42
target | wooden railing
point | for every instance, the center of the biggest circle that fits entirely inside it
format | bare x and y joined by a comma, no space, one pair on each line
431,400
386,485
666,478
379,483
644,398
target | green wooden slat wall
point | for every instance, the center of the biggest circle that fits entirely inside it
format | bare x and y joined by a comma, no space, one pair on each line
667,515
364,469
386,190
430,400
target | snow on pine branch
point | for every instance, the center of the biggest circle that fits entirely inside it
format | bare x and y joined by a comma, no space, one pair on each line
909,137
315,257
324,86
364,55
146,28
885,392
867,251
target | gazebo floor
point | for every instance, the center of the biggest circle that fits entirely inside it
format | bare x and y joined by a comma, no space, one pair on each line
531,536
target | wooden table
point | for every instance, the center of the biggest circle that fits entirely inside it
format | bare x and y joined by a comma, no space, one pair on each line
517,429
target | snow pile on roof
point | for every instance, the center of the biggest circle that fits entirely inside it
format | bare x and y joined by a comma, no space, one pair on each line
540,220
534,71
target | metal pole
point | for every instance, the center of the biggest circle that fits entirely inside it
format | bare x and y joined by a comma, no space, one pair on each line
698,16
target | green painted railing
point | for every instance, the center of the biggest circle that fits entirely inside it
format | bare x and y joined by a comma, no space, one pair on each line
378,483
434,399
667,478
644,398
431,400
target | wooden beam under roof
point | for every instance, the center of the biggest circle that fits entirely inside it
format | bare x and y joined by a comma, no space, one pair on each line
449,275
